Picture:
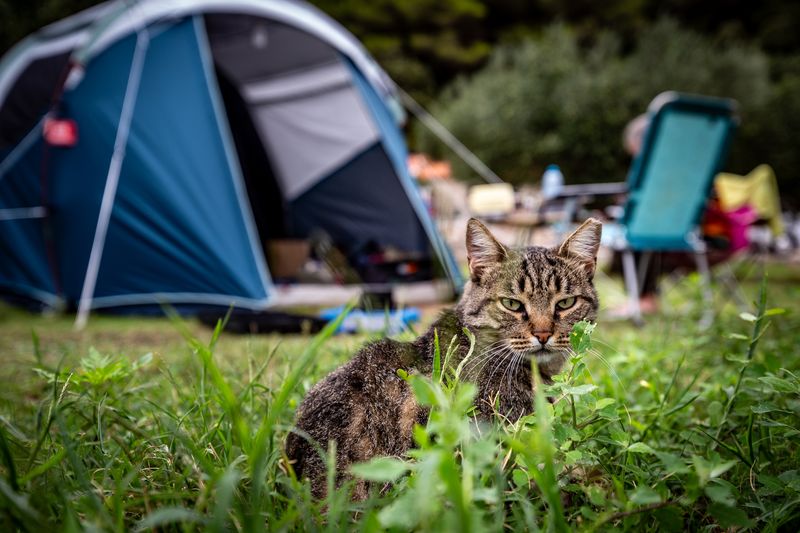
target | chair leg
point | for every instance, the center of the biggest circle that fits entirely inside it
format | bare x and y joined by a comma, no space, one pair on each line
726,277
641,270
632,286
707,318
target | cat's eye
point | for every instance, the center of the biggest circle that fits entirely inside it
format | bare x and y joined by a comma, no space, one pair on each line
511,304
566,303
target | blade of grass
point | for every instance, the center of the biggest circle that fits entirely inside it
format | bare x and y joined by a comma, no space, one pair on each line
758,329
8,460
262,444
545,476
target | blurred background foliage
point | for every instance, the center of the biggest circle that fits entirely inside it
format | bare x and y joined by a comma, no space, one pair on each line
525,83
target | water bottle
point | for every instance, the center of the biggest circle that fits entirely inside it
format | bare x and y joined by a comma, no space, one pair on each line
552,182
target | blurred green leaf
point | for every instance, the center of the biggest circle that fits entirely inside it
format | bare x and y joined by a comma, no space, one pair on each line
604,402
729,517
644,496
640,447
384,469
581,337
738,336
748,317
579,390
720,494
777,384
423,391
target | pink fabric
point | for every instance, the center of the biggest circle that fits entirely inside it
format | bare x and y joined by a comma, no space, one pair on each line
738,222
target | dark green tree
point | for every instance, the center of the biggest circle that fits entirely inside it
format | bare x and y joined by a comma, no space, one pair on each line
421,43
19,18
551,100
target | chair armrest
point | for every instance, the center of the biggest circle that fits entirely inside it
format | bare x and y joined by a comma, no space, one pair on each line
571,198
593,189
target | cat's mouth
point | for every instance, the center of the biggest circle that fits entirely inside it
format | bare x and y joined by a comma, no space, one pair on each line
540,353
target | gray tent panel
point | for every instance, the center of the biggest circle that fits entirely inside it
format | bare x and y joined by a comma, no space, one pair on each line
309,137
299,91
304,83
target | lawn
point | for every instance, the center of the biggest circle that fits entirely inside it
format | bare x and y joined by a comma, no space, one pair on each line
150,423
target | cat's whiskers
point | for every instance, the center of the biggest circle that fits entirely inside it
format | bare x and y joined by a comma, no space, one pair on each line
595,340
488,354
604,361
492,357
474,360
510,363
481,359
515,365
608,365
500,360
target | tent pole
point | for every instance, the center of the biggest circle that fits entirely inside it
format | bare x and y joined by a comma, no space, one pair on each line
444,135
112,179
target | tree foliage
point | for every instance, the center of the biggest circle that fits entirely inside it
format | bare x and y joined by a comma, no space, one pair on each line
585,81
422,43
551,100
19,18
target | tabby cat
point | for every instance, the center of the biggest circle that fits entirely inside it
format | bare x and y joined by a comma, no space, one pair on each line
519,304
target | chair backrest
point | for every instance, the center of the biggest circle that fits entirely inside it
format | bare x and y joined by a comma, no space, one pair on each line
669,181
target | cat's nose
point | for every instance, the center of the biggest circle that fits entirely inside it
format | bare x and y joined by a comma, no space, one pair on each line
542,336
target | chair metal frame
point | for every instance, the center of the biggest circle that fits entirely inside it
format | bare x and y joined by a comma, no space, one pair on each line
722,114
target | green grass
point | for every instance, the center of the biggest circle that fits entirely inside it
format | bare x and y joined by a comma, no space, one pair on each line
150,424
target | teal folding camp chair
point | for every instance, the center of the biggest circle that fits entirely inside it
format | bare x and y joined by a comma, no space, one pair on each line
668,184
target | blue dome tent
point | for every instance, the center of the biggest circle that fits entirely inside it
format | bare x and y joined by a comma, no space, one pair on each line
149,149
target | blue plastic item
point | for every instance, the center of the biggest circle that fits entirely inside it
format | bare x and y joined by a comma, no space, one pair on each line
552,182
358,320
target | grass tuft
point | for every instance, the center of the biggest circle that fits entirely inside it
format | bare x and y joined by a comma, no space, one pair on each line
143,425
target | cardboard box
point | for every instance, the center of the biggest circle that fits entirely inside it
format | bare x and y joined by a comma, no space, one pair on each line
286,257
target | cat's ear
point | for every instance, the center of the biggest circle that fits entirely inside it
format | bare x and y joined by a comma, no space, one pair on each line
582,245
483,250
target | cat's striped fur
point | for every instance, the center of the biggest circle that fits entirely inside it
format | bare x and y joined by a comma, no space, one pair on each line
519,304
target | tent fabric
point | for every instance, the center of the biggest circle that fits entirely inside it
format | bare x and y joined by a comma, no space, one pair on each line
89,32
164,198
252,120
398,155
361,217
308,137
170,226
25,268
307,112
239,41
290,12
30,97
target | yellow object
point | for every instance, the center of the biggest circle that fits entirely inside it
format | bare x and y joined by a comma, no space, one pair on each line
759,189
491,200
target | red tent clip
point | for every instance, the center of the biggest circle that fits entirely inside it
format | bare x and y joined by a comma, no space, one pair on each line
60,132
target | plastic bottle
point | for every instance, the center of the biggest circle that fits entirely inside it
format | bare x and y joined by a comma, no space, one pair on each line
552,182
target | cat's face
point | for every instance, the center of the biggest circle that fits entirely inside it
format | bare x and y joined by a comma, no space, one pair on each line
525,302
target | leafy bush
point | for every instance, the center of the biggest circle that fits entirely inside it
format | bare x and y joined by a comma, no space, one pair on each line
549,100
768,135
